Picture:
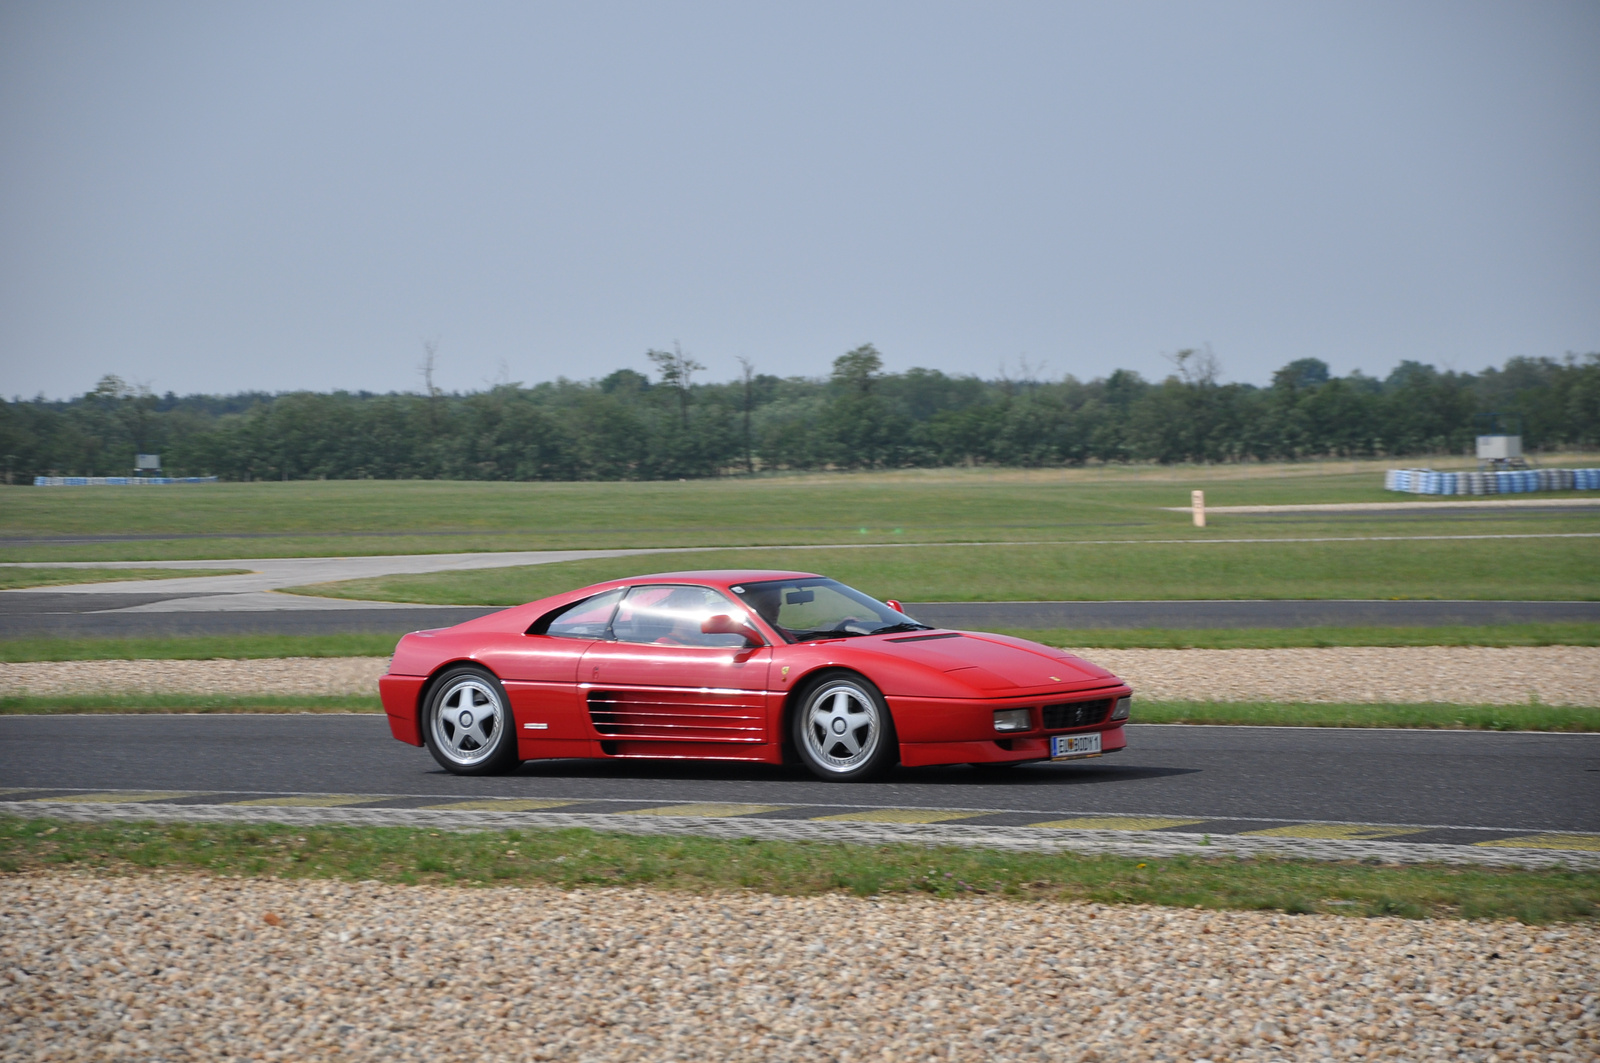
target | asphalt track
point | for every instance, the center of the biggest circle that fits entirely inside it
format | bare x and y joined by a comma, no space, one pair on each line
118,615
1452,785
25,614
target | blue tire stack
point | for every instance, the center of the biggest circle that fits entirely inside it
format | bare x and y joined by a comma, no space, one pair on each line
1499,482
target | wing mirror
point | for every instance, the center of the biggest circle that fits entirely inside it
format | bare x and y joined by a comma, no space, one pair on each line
723,624
896,606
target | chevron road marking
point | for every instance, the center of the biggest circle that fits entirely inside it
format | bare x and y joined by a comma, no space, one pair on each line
708,808
1586,843
500,804
896,815
1336,831
1118,823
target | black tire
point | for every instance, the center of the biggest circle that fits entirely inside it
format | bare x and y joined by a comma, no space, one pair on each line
842,730
475,739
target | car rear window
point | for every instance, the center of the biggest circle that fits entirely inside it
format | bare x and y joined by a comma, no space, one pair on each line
587,619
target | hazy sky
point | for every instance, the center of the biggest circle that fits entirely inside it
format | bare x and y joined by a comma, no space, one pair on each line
221,196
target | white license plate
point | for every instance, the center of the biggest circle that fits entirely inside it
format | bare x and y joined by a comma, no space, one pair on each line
1067,747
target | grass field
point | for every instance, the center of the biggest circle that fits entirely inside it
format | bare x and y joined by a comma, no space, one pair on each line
1454,569
573,859
308,518
43,576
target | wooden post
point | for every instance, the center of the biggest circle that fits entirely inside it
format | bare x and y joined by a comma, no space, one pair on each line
1197,500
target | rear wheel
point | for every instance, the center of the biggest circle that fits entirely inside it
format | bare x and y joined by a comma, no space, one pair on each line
468,725
842,729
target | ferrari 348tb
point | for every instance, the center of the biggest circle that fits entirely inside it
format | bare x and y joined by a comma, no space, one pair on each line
742,665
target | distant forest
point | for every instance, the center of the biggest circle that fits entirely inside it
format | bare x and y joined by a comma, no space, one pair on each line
670,424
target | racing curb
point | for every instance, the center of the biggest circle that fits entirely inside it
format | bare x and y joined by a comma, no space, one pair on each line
1024,839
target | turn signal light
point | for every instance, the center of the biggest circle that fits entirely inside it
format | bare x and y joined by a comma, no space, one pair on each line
1124,706
1013,720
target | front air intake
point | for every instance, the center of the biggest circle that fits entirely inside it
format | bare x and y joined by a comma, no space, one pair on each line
1076,714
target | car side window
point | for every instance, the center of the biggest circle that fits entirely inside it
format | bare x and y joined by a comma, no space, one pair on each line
672,615
587,619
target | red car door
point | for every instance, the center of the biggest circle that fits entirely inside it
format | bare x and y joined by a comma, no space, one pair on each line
661,687
540,674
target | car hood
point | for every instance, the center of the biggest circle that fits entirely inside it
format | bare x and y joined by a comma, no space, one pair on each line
992,662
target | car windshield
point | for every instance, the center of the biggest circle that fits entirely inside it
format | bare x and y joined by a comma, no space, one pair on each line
815,608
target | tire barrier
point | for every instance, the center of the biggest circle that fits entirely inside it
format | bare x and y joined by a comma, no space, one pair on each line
1501,482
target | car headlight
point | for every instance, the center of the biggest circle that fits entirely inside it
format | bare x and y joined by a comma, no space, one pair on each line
1124,706
1013,720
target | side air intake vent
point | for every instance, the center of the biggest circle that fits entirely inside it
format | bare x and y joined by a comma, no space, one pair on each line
698,716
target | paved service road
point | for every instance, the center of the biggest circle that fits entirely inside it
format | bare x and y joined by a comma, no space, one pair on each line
25,614
1466,779
128,614
1246,614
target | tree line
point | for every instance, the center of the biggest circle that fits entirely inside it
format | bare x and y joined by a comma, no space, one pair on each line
668,424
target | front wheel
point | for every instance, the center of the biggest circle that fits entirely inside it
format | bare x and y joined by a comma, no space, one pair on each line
468,725
843,730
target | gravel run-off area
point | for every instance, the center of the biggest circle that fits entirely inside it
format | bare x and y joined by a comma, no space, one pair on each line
1462,675
174,967
1468,675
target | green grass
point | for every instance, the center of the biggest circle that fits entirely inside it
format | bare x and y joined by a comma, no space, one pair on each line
1259,638
571,859
1438,716
175,703
198,647
306,518
1491,569
13,578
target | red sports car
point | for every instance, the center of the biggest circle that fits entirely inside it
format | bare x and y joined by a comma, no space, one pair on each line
736,665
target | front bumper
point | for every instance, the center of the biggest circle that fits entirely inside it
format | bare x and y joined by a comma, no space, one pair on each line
1000,751
961,730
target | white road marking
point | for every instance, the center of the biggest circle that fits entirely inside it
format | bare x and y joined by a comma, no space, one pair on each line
1379,507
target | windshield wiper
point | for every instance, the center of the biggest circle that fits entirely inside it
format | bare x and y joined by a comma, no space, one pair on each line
842,633
830,633
909,625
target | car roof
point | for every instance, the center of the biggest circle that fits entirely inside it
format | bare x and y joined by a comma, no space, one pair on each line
718,577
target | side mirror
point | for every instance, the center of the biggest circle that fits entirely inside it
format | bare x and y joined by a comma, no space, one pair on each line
723,624
896,606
